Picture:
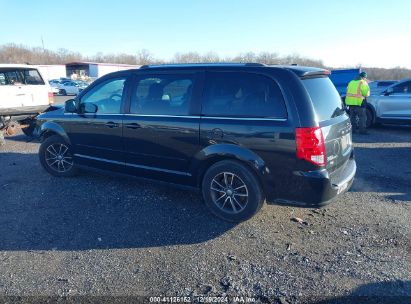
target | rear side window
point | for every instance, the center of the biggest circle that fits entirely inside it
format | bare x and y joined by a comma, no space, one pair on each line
241,94
326,101
162,95
32,77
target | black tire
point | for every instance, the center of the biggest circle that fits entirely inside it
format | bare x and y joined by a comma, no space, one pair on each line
233,195
370,118
63,92
49,152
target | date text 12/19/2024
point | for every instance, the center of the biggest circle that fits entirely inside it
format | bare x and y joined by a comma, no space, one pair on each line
202,299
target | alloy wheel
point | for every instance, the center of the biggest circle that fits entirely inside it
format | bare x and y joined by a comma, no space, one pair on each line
59,158
229,192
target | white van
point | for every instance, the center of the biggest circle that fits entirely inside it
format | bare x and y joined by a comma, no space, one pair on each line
23,95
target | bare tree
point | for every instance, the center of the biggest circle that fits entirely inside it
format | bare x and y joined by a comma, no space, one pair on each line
190,57
14,53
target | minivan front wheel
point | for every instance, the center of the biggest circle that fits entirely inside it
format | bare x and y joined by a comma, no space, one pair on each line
56,157
231,191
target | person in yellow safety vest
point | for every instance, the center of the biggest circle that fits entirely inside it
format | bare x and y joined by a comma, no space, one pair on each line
356,99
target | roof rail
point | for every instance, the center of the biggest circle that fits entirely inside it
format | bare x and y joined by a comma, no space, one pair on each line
145,66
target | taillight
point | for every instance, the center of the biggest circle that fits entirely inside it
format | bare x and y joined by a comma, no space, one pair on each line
51,98
310,145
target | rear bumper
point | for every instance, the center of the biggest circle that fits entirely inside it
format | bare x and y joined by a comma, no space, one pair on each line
318,188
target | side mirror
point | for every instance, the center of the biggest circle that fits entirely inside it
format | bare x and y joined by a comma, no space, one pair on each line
70,106
88,108
388,91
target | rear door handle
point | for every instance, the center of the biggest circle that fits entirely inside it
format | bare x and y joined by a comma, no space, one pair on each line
111,124
133,125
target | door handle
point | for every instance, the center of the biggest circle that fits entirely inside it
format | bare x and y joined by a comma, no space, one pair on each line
111,124
133,125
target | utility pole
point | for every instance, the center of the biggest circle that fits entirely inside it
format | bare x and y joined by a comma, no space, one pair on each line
44,50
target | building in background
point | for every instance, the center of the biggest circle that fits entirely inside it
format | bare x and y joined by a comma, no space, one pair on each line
94,69
52,71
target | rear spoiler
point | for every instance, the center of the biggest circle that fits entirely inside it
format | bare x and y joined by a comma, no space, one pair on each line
311,74
308,72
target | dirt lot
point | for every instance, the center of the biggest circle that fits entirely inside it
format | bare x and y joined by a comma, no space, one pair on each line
103,235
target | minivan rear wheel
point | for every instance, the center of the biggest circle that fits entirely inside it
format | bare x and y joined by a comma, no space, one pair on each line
56,157
232,191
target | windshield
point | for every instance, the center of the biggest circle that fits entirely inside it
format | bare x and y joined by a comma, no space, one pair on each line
326,101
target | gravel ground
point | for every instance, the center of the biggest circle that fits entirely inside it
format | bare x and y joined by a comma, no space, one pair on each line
102,235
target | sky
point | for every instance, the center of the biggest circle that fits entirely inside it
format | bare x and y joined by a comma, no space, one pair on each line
340,33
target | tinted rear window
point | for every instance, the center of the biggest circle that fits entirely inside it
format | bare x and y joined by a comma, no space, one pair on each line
326,101
241,94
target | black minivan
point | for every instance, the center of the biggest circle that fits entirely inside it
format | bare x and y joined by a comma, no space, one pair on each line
242,133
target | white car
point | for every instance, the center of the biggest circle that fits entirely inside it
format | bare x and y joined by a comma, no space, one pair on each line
54,85
69,88
23,95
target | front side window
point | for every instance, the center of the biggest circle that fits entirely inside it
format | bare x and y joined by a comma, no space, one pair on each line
242,94
162,95
107,96
10,77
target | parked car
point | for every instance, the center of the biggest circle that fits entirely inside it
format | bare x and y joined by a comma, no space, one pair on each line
69,88
54,82
82,84
54,85
242,133
377,87
393,105
23,95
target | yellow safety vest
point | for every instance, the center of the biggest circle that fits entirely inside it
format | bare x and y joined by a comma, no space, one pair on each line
357,90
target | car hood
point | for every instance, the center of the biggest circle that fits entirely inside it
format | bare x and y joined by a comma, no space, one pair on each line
53,111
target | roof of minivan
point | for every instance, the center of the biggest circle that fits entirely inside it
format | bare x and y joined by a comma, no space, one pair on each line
300,71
